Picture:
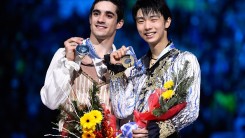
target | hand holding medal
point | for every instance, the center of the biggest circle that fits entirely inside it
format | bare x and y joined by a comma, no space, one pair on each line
124,56
70,47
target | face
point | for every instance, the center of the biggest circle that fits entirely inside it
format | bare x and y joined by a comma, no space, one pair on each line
103,21
152,27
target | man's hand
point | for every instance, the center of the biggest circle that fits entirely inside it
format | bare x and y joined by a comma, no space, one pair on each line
70,46
140,133
117,55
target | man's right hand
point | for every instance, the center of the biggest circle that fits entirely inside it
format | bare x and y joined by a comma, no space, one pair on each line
115,57
70,46
140,133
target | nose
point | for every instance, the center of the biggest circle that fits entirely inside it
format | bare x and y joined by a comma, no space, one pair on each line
101,18
147,25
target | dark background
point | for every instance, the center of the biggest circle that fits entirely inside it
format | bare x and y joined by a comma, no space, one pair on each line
32,30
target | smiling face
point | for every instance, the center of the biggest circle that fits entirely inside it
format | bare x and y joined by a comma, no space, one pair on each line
103,21
152,27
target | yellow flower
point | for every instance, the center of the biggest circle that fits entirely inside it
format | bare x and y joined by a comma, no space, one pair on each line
87,121
168,94
89,129
168,84
88,134
97,115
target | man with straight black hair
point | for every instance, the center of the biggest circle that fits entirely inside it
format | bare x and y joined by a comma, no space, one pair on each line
163,63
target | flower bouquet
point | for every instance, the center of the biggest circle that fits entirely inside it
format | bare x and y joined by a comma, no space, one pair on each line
87,121
166,102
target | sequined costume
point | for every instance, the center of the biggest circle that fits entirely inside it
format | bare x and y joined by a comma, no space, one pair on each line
129,93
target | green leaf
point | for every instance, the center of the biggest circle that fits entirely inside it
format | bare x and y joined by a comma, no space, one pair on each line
171,102
164,108
162,101
157,112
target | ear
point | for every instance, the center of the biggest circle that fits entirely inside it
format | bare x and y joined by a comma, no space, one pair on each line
120,24
167,23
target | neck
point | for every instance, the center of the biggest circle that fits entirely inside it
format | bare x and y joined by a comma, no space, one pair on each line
158,48
102,46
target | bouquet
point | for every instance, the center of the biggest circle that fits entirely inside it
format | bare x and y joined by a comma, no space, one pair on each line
87,121
166,102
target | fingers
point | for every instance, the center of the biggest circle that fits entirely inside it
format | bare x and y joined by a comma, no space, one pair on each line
139,133
77,40
70,46
117,55
121,52
73,42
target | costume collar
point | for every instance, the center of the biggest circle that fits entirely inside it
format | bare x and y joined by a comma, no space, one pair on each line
92,52
166,50
100,67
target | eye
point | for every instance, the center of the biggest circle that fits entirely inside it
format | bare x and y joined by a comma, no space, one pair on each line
109,16
154,19
140,21
95,13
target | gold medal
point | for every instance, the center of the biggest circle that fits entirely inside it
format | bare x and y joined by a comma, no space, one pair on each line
127,61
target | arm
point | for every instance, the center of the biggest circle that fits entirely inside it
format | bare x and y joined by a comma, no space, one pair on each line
190,113
57,81
121,88
122,95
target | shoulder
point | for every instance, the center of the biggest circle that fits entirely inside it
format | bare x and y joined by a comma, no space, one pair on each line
60,52
187,56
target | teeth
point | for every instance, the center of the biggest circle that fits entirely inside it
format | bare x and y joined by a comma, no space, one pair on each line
149,34
101,26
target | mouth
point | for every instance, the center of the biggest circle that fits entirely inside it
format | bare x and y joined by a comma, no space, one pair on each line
149,34
100,26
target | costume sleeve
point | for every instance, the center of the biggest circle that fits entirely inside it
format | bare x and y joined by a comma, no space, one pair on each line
122,95
57,81
190,113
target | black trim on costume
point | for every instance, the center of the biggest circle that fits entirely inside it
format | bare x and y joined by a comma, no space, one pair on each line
114,68
89,65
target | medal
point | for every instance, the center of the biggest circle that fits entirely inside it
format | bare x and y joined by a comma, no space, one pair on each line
82,50
129,59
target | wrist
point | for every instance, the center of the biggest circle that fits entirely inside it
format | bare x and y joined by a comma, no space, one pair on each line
115,68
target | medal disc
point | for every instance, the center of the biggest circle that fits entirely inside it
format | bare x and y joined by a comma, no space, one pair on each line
82,50
127,61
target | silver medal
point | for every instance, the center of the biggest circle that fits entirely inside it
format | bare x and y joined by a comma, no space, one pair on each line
82,50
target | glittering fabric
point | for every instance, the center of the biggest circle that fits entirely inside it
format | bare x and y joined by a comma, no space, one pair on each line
132,93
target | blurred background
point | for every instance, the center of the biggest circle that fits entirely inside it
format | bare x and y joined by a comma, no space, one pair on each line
32,30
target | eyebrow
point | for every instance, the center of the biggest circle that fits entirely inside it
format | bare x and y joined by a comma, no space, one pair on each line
143,17
139,18
107,12
155,15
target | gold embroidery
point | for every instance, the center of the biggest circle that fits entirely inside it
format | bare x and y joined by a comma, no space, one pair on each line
154,79
118,75
166,128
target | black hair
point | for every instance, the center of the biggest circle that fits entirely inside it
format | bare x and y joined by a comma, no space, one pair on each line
154,6
119,10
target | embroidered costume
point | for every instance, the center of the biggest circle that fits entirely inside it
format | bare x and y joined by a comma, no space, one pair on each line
67,81
129,93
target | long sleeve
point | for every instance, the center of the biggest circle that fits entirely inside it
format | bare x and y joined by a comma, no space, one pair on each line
122,95
190,113
57,81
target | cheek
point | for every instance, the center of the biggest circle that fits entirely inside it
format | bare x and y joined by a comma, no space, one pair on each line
140,28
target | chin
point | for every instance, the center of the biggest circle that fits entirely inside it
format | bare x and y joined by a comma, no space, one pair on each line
150,41
101,36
